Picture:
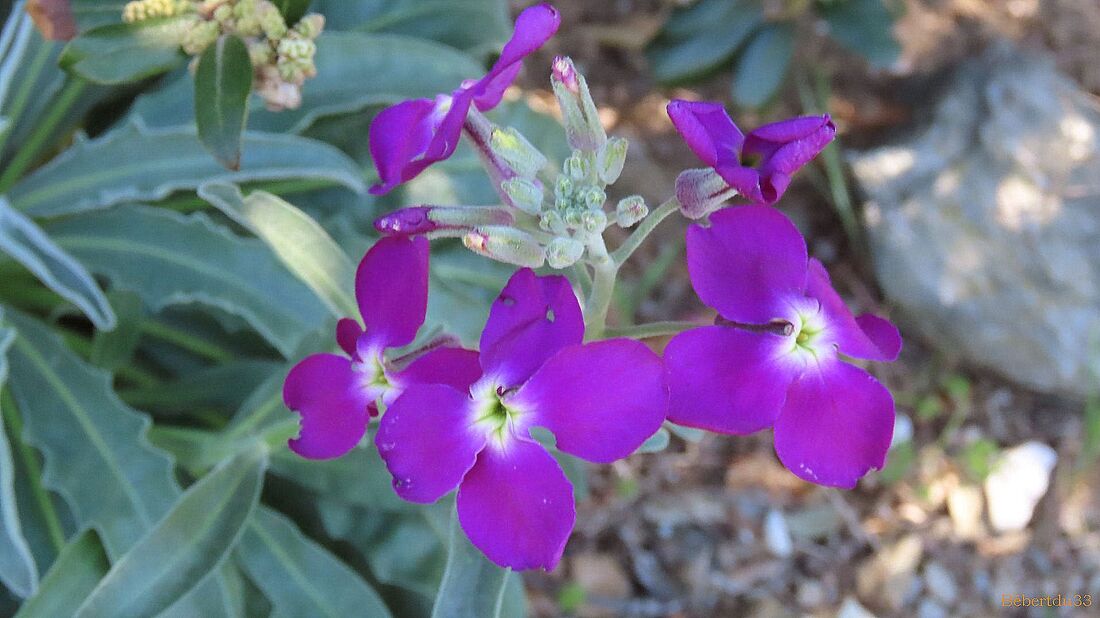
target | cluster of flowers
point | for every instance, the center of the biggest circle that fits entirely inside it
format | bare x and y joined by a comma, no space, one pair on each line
282,56
455,418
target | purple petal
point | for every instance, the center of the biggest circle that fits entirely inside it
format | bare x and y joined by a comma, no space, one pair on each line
347,333
836,425
391,287
455,367
708,130
747,181
787,145
749,264
532,319
728,380
534,26
600,400
849,334
428,441
516,506
325,391
398,135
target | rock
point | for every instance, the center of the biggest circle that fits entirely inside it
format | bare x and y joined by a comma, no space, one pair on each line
941,583
600,575
889,577
776,534
985,225
852,609
903,430
1020,478
964,504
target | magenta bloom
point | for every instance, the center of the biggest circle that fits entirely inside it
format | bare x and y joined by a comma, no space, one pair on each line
335,394
773,359
600,400
408,137
760,165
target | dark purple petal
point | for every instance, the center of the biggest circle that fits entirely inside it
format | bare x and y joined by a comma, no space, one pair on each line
529,322
406,222
391,287
428,441
534,26
455,367
600,400
325,391
347,333
398,135
747,182
708,130
728,380
845,331
750,264
516,506
836,425
787,145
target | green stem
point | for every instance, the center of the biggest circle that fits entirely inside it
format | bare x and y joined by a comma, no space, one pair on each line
186,341
34,471
603,286
29,152
632,242
652,329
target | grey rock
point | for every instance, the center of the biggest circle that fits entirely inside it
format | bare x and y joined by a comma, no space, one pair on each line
985,225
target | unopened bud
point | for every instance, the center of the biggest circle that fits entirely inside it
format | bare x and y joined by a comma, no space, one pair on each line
271,21
201,35
551,221
594,197
610,159
594,221
581,118
310,26
506,244
511,146
563,188
573,218
224,14
576,166
260,52
525,194
630,210
564,252
438,220
701,192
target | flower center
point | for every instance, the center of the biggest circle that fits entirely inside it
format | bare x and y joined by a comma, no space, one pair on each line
490,412
372,377
809,332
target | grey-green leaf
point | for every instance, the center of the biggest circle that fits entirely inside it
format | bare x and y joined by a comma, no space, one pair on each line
18,571
302,245
186,546
698,39
147,164
114,349
300,577
168,258
30,246
865,27
75,573
223,81
763,65
121,53
359,477
472,585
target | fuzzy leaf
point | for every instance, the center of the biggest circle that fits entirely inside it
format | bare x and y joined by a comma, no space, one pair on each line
223,81
700,38
122,53
763,65
476,26
17,568
473,586
114,349
75,573
149,164
186,546
168,258
30,246
865,27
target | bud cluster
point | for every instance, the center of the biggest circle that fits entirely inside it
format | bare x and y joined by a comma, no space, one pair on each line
282,56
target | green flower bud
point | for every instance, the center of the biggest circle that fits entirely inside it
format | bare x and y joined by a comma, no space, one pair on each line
630,210
310,26
573,218
594,197
582,120
576,166
260,52
297,49
271,20
200,36
551,221
223,14
563,188
563,252
511,146
594,221
563,203
506,244
524,194
610,159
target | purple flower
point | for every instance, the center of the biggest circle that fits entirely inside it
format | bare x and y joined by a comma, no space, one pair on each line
773,359
599,400
408,137
335,394
759,166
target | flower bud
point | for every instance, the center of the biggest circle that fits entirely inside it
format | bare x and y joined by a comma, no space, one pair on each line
563,252
582,120
630,210
436,220
563,188
271,21
594,221
551,221
576,166
200,36
506,244
511,146
260,52
610,159
525,194
701,192
310,26
594,197
573,218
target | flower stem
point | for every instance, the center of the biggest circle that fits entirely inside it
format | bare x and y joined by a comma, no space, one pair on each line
632,242
603,285
652,329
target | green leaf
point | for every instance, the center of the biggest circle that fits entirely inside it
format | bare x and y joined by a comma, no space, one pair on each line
91,13
763,65
122,53
223,81
114,349
75,573
186,546
168,258
699,39
292,10
302,245
17,568
359,477
655,443
865,27
476,26
222,387
299,576
472,585
150,164
30,246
